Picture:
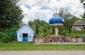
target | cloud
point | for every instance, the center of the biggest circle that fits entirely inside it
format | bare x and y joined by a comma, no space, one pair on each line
44,9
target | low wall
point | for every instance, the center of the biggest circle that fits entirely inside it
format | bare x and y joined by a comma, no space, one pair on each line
38,40
73,40
77,39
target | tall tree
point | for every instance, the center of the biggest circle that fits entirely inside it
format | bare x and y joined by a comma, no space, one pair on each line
40,27
37,28
69,23
10,14
83,1
65,15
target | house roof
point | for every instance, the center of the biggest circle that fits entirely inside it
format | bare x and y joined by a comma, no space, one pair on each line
24,25
79,23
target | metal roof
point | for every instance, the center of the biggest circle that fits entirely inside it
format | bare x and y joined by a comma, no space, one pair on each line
79,23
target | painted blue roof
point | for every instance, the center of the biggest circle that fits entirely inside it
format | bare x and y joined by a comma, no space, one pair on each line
56,20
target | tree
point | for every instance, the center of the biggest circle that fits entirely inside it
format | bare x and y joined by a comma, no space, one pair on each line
10,14
83,1
41,28
37,27
65,15
68,24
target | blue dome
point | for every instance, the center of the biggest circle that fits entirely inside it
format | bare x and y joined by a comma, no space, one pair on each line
56,20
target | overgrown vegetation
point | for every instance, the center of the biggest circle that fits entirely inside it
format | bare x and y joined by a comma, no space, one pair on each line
83,1
10,14
7,35
66,29
41,28
10,18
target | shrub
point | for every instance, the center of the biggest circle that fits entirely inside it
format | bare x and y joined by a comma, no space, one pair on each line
1,35
4,37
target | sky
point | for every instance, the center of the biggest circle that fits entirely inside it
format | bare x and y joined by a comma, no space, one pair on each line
44,9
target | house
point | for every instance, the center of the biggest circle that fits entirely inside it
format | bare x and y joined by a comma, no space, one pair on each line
25,33
79,25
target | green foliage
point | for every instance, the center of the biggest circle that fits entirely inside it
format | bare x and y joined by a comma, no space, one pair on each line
84,16
64,32
66,15
41,28
37,26
83,1
53,29
69,23
10,18
73,34
10,14
66,29
7,35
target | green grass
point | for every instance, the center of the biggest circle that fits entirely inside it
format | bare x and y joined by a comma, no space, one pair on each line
31,46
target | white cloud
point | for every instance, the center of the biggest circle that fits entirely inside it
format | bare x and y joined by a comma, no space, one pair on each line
25,10
75,6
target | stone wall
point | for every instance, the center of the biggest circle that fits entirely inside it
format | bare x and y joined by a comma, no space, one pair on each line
49,40
77,40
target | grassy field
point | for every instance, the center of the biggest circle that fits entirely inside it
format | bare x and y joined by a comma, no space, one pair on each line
31,46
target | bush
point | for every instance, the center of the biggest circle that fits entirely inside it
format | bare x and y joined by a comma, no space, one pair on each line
1,35
4,37
64,32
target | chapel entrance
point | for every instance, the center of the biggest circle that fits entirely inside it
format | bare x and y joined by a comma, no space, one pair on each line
25,37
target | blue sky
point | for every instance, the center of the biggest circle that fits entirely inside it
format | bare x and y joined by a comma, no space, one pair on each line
44,9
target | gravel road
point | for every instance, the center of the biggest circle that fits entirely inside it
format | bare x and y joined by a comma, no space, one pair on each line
42,52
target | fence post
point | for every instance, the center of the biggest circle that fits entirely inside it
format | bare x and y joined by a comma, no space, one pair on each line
45,39
76,40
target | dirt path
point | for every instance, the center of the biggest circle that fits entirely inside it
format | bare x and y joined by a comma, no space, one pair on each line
42,52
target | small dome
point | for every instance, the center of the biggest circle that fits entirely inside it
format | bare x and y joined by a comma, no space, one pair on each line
56,20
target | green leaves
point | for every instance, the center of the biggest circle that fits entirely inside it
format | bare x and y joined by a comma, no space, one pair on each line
41,28
5,37
10,14
83,1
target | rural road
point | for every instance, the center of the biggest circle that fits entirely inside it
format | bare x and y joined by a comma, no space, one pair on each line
42,52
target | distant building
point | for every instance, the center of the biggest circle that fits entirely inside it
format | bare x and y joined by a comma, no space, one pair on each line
79,25
25,34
